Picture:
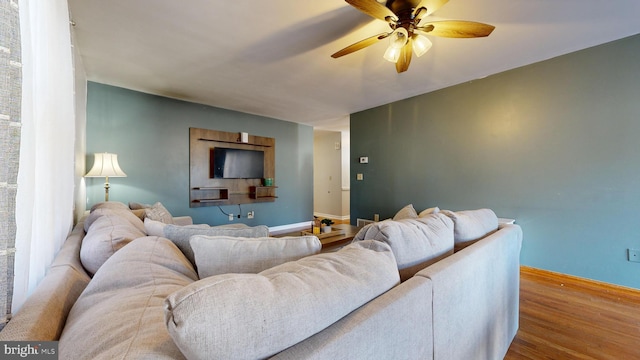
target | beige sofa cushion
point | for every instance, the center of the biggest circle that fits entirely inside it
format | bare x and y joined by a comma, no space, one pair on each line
108,233
112,208
120,313
416,243
109,205
156,228
180,235
253,316
216,255
472,225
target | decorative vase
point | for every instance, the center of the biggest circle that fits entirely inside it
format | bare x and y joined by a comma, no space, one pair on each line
326,229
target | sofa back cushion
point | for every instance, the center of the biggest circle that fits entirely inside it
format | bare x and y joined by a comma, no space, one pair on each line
119,315
109,230
253,316
180,235
215,255
416,243
112,208
471,225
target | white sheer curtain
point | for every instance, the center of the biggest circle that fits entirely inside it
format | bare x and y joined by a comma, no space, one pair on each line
44,201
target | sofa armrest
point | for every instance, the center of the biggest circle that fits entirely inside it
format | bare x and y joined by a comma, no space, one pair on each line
182,220
44,314
476,297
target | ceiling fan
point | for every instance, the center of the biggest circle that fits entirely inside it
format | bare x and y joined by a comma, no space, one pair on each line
407,31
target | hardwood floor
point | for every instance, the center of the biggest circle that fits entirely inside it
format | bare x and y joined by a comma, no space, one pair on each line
565,317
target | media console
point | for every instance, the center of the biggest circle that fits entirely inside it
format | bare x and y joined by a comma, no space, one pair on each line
224,170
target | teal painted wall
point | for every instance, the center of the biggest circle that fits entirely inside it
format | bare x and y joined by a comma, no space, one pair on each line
150,134
555,145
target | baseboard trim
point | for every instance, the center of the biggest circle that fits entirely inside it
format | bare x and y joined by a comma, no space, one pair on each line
584,284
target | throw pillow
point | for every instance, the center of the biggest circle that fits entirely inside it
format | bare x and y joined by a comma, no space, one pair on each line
180,235
429,211
119,314
254,316
159,213
472,225
407,212
215,255
140,213
416,243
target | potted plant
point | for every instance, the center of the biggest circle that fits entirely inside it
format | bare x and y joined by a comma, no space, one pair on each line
326,225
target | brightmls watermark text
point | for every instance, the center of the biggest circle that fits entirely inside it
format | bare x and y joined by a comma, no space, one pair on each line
41,350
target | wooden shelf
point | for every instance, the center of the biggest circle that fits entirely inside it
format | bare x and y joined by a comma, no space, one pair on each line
234,142
263,193
207,196
210,201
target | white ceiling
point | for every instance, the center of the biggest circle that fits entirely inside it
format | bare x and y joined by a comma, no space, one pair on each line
272,58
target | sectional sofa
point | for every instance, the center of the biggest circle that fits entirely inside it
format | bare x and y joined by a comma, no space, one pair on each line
141,284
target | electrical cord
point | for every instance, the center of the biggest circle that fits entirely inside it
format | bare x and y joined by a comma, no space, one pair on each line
239,211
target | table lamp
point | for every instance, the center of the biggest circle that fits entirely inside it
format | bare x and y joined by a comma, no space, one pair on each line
105,165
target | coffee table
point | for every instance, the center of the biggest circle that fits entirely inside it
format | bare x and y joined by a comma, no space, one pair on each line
332,243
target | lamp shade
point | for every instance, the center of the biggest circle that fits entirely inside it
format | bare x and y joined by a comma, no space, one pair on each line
421,44
105,165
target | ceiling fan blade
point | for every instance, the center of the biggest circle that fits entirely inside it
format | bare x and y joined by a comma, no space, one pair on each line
373,9
431,6
405,57
456,29
360,45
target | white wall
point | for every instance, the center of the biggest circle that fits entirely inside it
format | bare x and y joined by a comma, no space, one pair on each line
331,177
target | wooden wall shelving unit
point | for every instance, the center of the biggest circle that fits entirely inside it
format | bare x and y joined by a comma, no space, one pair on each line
263,193
206,191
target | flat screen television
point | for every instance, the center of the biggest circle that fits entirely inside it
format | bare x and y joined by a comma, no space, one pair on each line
228,163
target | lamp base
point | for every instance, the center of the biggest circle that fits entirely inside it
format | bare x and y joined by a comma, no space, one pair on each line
106,189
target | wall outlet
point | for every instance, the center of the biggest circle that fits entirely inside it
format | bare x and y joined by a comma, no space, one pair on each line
250,215
230,217
634,255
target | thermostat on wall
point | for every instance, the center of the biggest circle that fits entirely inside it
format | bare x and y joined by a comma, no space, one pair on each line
364,159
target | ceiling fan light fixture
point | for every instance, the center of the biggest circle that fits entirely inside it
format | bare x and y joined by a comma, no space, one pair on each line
392,54
421,44
405,18
397,40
